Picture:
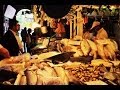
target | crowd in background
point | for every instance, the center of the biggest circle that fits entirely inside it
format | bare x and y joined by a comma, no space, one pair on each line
107,11
61,30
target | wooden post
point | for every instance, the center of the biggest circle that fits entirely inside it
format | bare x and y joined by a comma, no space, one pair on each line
74,33
79,24
70,29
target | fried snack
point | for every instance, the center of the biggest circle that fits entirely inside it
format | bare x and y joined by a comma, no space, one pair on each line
101,51
52,81
92,45
51,71
78,53
33,67
93,48
23,80
102,41
107,53
109,75
72,42
39,80
61,73
65,41
110,49
31,77
115,45
85,47
43,73
17,81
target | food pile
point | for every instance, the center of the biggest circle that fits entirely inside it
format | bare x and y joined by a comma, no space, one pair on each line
105,49
82,73
37,69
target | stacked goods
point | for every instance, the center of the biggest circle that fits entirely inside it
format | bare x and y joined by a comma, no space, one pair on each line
42,74
108,47
93,48
34,71
105,49
61,73
38,72
84,73
88,73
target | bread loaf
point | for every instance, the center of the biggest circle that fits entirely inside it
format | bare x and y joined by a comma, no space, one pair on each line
31,77
23,80
17,81
61,73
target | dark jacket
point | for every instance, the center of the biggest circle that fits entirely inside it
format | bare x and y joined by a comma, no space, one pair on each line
9,42
23,35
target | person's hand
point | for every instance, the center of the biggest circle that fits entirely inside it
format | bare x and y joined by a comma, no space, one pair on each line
4,52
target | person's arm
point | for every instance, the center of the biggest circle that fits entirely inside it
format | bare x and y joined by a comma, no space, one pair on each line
4,52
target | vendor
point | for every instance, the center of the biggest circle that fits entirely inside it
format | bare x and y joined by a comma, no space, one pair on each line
96,31
4,53
11,40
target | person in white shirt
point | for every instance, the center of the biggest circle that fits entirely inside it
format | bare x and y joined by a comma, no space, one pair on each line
11,40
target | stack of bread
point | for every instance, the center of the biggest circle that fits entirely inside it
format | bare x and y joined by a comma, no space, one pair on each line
39,72
104,48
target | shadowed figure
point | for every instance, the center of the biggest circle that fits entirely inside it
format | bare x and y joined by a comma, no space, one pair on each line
28,41
24,37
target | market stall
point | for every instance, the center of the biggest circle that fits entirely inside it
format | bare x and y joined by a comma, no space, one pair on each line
75,61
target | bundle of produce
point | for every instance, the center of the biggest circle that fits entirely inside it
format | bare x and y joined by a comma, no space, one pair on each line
104,48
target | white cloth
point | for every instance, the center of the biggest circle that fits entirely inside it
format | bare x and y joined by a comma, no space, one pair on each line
18,40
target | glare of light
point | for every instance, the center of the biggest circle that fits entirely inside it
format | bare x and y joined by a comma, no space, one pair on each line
112,7
96,7
45,19
29,15
103,6
35,24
